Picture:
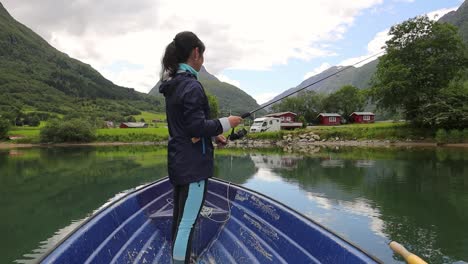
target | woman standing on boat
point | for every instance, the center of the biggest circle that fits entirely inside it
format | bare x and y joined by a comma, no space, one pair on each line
190,148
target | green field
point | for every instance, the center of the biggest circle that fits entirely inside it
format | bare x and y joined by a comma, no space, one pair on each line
132,134
31,134
148,117
25,132
375,131
386,124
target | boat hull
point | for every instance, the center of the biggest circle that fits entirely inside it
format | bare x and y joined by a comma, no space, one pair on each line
237,226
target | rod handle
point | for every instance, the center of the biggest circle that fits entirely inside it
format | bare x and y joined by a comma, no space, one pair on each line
409,257
245,115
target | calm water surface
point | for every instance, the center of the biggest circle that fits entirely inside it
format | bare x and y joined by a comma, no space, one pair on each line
418,197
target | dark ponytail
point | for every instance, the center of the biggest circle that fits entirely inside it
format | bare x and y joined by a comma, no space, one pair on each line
178,51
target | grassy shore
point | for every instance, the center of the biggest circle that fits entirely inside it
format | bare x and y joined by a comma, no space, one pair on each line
148,117
390,131
132,134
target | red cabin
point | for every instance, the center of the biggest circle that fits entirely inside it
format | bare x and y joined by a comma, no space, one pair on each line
362,117
329,119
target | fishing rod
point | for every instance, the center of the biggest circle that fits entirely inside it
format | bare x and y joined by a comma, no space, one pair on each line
240,134
307,86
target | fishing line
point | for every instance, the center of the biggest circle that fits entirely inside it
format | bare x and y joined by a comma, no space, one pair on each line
241,133
307,86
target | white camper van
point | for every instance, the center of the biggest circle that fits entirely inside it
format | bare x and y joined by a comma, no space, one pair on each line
265,124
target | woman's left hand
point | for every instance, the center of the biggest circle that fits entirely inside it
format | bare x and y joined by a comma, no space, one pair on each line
221,141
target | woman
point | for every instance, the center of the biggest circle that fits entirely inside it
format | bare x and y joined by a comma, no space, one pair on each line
190,149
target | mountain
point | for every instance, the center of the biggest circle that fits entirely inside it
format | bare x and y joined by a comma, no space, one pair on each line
231,99
360,77
34,76
458,18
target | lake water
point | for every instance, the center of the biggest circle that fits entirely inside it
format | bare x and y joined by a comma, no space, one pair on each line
418,197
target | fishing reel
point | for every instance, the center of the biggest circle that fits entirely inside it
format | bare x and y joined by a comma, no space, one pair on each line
241,133
237,135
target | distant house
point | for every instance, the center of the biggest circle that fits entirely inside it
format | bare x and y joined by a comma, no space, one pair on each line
133,125
286,117
288,120
329,119
362,117
109,124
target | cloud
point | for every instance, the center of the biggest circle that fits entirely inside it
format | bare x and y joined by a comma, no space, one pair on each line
320,200
243,34
226,79
266,175
376,44
374,47
435,15
264,97
363,207
317,70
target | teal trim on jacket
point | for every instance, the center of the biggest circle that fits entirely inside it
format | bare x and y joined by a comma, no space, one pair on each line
183,67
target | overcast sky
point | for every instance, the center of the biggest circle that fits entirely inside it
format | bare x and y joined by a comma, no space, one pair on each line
263,47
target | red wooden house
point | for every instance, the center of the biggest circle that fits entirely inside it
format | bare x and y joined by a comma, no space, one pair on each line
362,117
329,119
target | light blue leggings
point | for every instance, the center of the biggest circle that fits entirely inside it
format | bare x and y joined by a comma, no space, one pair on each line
190,213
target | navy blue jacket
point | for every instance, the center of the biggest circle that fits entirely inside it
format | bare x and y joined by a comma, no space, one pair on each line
187,112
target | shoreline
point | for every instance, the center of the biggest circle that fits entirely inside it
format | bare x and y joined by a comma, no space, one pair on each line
341,143
5,145
255,143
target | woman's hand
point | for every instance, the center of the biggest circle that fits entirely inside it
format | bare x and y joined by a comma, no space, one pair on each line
221,141
234,121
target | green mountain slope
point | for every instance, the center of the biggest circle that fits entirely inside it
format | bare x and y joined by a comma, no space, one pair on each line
230,98
36,76
359,77
459,18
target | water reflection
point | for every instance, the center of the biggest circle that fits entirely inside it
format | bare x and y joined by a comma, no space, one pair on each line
369,196
275,161
59,235
365,163
44,190
417,197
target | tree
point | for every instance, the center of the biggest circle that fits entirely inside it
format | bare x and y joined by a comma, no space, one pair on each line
345,101
32,120
74,130
307,104
214,106
4,128
130,119
423,56
450,108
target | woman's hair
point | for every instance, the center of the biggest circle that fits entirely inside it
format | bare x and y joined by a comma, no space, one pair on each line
178,51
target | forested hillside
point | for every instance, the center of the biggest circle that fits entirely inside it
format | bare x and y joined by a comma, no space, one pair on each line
34,76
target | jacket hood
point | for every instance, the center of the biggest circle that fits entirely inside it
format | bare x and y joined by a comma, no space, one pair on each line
168,85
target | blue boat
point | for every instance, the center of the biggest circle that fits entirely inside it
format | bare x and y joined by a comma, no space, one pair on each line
237,225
